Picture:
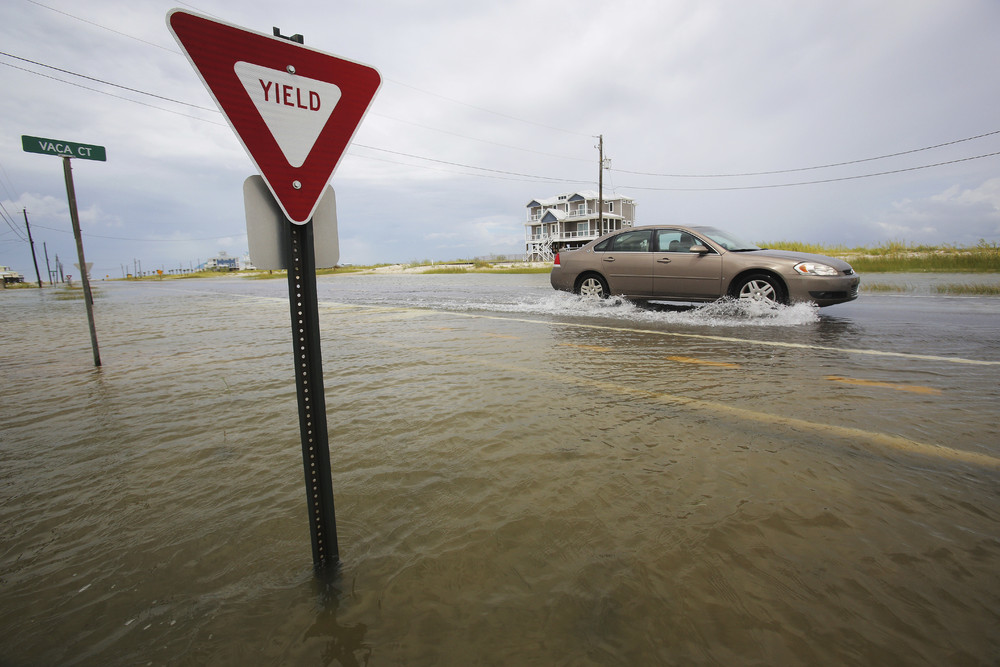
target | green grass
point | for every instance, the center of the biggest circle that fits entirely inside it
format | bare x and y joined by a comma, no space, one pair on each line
74,292
526,269
883,288
968,290
446,269
901,257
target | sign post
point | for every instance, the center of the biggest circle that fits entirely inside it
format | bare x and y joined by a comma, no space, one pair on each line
295,110
68,150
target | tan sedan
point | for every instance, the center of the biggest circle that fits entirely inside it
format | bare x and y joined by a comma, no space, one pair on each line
672,263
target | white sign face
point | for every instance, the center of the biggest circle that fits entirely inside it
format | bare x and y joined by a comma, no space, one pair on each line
294,108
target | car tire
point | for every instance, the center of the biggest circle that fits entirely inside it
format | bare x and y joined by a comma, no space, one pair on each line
760,288
592,285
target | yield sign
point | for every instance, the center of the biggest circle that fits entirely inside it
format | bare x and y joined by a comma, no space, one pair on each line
294,109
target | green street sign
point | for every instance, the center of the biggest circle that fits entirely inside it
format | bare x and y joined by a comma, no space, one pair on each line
63,148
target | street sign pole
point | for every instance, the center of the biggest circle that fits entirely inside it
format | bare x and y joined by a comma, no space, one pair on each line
295,109
303,304
68,150
75,219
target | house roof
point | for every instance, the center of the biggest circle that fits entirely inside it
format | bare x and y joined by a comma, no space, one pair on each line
574,196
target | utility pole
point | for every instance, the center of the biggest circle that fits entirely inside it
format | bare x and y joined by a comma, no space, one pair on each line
38,276
600,184
601,166
48,269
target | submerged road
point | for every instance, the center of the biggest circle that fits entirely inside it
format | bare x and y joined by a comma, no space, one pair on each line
521,477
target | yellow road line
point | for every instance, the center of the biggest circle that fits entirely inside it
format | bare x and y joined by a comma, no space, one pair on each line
703,362
916,389
883,440
592,348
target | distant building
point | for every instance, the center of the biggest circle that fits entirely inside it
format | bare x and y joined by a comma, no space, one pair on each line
571,220
9,275
223,262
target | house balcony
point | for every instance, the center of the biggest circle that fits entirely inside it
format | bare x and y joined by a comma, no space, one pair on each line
561,236
569,215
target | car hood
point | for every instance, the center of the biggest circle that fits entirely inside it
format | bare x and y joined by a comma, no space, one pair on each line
838,264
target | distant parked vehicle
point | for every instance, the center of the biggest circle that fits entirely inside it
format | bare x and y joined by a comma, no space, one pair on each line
673,263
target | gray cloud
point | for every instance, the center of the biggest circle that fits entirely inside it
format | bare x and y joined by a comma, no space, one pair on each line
520,90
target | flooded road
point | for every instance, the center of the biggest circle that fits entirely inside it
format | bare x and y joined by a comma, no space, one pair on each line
521,477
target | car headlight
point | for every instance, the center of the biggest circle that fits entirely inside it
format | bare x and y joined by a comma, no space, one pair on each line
815,269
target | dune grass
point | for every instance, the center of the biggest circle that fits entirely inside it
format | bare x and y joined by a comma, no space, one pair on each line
901,257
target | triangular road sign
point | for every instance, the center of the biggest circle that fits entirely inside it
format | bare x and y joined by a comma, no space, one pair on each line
295,109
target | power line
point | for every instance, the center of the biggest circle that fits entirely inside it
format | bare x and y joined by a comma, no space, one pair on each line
502,173
510,117
122,238
398,83
549,178
103,27
104,92
825,180
451,171
469,166
141,92
821,166
106,83
17,232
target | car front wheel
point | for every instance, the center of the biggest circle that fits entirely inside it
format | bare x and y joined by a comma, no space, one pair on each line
761,288
594,286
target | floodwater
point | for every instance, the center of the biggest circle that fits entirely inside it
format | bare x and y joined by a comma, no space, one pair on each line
521,478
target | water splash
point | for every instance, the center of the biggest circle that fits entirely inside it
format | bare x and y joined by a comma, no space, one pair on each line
725,312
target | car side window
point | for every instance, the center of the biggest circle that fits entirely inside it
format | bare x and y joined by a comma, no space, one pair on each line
603,245
634,241
674,240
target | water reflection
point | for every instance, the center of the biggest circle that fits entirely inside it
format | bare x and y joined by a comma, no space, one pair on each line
343,644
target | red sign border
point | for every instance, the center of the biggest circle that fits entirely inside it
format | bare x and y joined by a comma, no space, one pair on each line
214,47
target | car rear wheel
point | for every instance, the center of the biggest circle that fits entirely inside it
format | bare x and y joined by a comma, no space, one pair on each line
760,288
593,285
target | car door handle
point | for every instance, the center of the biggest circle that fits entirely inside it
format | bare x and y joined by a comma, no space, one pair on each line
609,259
664,260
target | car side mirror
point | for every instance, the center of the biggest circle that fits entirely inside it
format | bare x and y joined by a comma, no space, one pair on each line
700,249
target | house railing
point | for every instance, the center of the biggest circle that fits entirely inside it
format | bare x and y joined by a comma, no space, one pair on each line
561,236
573,213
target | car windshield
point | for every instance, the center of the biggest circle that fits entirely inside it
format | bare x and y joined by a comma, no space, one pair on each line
728,241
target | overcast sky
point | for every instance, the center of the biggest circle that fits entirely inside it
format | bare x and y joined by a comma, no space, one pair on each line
485,106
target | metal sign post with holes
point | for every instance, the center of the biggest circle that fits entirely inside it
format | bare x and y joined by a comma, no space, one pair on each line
295,110
311,396
68,150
